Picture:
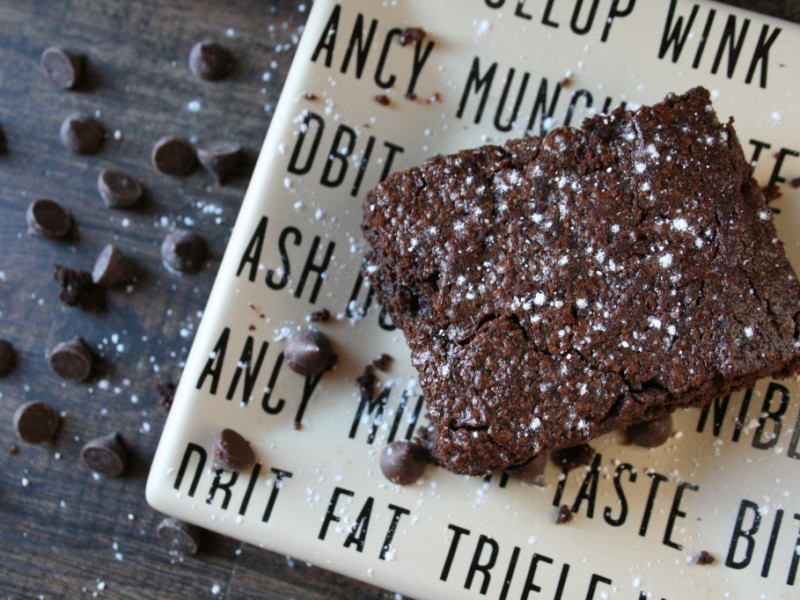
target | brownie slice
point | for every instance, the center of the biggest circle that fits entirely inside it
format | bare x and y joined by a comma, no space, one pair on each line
554,289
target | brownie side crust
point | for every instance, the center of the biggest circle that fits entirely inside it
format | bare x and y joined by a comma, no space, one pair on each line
554,289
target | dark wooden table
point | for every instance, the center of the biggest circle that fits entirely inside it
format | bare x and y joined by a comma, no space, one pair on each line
63,532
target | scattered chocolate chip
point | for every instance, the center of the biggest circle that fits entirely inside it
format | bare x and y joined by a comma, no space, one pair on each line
180,537
119,189
309,352
650,433
76,288
166,393
48,218
36,422
772,192
322,315
403,462
71,360
575,456
232,452
531,471
220,158
173,156
112,267
795,183
382,362
105,455
564,515
62,68
183,251
82,134
366,383
704,558
8,357
210,60
411,35
382,99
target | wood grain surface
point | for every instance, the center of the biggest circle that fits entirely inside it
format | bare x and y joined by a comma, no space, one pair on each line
65,533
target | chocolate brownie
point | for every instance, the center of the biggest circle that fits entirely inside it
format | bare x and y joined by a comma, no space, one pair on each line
554,289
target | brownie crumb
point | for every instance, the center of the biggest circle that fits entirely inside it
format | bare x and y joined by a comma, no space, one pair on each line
251,327
772,192
573,457
76,288
382,362
705,558
13,450
166,393
322,315
382,99
298,425
411,35
366,383
411,96
565,515
566,81
436,98
795,183
309,96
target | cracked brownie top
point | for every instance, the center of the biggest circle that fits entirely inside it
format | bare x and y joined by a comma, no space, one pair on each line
554,289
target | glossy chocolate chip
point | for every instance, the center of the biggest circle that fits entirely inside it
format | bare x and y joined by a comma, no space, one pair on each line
403,462
232,452
210,60
82,134
309,352
573,457
8,357
112,267
36,422
220,158
119,189
71,360
184,251
105,455
48,218
650,433
173,156
179,536
62,68
531,471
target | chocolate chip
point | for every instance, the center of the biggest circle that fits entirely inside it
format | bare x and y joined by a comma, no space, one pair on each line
403,462
179,536
82,134
112,267
183,251
8,357
220,158
411,35
704,558
232,452
531,471
210,60
650,433
575,456
309,352
772,192
71,360
119,189
565,515
36,422
48,218
105,455
173,156
76,288
62,68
